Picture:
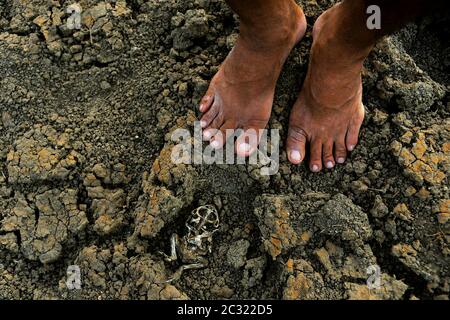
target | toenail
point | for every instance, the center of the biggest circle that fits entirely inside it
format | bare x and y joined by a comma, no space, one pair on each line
244,147
340,160
215,144
350,148
202,106
330,165
315,168
295,156
203,123
207,134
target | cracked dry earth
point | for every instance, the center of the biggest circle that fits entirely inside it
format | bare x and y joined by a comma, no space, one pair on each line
86,177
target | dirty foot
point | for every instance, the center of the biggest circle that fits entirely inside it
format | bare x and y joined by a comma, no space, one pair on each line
240,95
328,113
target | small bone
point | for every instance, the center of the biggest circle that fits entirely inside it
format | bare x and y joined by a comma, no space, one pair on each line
177,275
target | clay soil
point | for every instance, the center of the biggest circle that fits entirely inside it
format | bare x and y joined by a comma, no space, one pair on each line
86,177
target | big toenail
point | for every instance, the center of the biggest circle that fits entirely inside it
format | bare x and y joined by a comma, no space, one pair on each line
244,147
315,168
215,144
203,123
295,156
207,135
330,165
340,160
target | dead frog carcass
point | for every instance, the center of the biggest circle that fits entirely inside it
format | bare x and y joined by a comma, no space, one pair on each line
193,248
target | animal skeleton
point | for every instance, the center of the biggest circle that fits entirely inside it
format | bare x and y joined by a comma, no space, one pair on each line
197,243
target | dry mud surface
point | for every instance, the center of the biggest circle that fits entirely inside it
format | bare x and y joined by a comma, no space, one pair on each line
86,177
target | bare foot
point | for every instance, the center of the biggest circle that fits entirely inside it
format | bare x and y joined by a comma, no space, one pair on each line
240,95
328,113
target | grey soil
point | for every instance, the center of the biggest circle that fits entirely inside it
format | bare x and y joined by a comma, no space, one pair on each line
87,178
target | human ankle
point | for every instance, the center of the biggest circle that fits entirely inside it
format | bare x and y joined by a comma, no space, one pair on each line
275,30
341,54
346,35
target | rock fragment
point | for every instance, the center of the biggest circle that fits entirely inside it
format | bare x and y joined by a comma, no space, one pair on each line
443,211
342,218
390,289
195,26
409,256
401,81
236,254
303,283
254,271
